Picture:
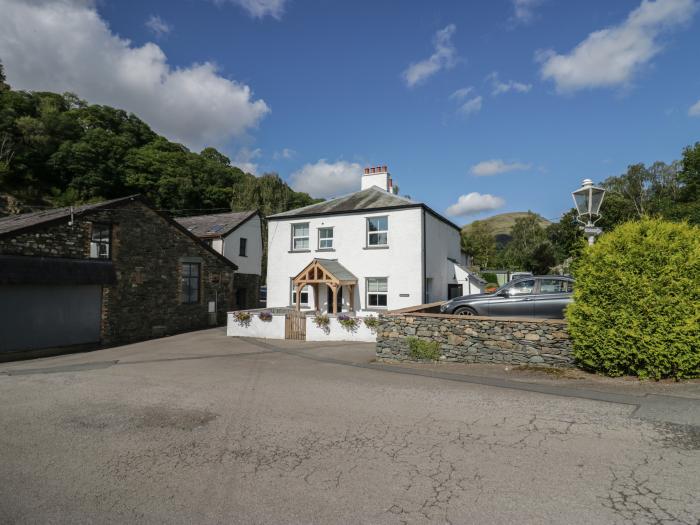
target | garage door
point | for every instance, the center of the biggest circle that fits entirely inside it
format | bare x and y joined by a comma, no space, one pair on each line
45,316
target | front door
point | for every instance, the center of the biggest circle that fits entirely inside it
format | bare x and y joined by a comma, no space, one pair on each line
339,299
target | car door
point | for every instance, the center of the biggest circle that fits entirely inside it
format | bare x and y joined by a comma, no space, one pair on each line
553,295
514,300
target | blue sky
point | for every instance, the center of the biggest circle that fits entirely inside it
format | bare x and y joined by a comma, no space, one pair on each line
497,106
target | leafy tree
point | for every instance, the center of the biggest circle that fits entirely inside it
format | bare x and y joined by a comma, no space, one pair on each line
565,236
480,243
526,236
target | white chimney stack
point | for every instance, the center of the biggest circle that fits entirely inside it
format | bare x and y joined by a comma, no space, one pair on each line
378,176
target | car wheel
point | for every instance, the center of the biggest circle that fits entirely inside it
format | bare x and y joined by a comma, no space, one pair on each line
464,310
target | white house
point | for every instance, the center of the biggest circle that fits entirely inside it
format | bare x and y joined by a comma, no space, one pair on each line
238,237
371,250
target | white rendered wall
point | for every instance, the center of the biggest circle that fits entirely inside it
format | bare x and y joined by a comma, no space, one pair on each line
251,230
469,287
273,329
381,180
442,242
337,332
401,262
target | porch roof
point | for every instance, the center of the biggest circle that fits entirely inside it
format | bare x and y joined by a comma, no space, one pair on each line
325,271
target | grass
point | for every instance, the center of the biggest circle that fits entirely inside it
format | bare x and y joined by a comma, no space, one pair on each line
420,349
502,223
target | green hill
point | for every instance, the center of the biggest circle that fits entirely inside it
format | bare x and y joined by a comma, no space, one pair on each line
502,224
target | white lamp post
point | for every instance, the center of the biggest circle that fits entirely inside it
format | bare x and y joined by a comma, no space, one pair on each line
587,200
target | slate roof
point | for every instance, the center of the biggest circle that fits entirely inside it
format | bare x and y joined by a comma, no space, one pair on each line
339,271
215,225
370,199
13,223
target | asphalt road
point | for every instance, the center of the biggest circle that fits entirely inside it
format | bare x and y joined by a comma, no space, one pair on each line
200,428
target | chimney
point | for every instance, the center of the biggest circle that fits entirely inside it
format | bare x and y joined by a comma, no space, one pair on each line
377,176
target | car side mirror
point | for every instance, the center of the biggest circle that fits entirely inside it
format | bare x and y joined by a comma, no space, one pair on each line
504,293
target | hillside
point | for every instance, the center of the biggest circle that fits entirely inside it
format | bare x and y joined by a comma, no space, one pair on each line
502,223
58,150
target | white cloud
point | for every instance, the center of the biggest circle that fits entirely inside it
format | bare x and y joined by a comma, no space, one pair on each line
694,110
612,56
244,160
260,8
64,45
285,153
461,93
444,57
159,26
474,203
495,166
324,179
473,105
524,10
499,87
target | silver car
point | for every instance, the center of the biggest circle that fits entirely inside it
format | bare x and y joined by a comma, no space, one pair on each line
544,296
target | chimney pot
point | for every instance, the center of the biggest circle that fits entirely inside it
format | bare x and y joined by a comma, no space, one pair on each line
384,168
366,171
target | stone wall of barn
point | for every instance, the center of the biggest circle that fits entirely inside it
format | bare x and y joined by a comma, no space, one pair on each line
470,339
147,252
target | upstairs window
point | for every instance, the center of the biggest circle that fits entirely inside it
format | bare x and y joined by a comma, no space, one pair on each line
377,231
300,236
101,241
376,292
189,279
325,238
242,247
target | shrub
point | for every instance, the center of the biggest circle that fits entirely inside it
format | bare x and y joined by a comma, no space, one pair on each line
490,278
422,349
371,322
347,322
242,317
636,303
322,321
265,315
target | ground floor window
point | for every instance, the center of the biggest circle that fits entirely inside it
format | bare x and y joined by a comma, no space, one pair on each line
304,296
376,292
189,275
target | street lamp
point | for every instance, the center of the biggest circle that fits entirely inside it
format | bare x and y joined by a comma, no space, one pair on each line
588,199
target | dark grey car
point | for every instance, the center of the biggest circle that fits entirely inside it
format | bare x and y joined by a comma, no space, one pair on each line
543,296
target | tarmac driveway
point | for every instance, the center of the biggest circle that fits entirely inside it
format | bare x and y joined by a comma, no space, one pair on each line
200,428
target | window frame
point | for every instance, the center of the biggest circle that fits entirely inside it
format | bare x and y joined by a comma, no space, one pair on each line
369,233
385,294
186,280
295,237
101,226
320,238
569,285
243,247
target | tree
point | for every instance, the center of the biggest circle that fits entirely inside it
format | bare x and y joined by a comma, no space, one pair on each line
4,86
526,236
479,243
565,236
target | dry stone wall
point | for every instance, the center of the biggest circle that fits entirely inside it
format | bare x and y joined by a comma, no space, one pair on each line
469,339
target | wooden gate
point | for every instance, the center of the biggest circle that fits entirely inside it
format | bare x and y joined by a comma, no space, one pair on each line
295,326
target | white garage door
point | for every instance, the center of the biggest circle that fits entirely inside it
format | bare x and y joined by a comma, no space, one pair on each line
45,316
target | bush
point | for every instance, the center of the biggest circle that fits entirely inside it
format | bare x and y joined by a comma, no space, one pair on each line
265,315
490,278
242,317
636,303
372,323
422,349
347,322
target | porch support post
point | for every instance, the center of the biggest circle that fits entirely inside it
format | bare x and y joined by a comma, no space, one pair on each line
334,287
316,299
351,291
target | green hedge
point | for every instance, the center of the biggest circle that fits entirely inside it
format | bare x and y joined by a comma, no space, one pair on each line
636,303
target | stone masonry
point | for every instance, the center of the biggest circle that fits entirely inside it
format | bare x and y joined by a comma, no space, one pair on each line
147,250
469,339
